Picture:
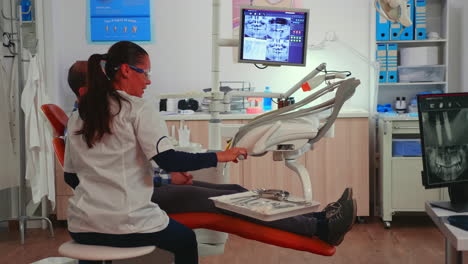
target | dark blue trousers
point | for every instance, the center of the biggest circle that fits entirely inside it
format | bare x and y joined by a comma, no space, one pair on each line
176,238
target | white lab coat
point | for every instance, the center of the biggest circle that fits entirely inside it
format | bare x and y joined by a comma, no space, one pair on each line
39,154
8,159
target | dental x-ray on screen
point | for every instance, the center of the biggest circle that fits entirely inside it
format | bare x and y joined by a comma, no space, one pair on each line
273,36
444,127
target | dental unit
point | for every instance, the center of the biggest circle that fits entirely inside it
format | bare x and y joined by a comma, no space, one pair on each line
291,131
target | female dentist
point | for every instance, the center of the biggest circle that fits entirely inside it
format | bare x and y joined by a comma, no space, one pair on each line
112,138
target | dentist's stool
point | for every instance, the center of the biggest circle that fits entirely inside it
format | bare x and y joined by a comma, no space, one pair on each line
71,249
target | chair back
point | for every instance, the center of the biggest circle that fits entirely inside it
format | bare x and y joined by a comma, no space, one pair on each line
57,118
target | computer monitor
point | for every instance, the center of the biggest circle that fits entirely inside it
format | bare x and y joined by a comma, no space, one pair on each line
273,36
443,120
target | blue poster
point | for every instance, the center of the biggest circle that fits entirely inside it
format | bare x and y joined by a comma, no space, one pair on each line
115,20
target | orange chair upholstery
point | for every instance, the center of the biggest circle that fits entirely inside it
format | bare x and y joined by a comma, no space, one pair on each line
57,118
236,226
248,230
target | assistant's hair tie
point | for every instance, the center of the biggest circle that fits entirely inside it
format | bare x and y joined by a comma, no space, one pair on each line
102,63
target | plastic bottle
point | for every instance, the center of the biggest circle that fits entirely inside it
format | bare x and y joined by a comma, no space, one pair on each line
26,10
267,101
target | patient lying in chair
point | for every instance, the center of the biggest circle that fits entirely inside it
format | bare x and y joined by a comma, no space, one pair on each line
329,225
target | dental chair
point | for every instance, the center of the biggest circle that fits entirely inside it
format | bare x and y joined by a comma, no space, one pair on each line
212,221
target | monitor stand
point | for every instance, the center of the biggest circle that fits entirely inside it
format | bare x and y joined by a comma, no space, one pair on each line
458,193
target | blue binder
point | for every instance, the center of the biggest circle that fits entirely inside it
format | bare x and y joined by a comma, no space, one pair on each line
382,59
395,29
382,27
408,33
392,63
420,20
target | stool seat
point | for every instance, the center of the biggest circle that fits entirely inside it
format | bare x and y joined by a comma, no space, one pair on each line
74,250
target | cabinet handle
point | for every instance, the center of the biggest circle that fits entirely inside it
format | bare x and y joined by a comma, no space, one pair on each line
405,127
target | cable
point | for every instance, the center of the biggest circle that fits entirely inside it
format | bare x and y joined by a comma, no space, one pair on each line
261,68
348,73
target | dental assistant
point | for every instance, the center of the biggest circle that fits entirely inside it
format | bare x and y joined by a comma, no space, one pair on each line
112,138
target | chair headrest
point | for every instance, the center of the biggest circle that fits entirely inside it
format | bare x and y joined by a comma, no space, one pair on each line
57,118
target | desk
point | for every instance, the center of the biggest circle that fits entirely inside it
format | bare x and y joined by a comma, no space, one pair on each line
456,239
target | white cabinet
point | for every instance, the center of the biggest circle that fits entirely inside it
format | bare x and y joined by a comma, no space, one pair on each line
400,182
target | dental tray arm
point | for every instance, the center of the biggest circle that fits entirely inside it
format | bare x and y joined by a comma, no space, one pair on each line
320,68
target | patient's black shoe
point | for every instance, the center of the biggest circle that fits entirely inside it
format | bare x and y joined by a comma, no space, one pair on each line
332,208
339,223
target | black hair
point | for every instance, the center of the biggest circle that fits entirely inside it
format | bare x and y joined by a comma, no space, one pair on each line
94,107
77,77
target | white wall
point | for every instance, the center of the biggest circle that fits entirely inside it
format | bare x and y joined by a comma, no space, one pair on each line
181,52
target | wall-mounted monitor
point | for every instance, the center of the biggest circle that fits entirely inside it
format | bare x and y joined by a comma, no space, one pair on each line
273,36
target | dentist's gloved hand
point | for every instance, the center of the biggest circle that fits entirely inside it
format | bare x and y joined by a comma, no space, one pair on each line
232,154
181,178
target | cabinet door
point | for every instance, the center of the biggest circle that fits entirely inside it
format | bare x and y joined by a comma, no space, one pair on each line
334,164
408,192
342,161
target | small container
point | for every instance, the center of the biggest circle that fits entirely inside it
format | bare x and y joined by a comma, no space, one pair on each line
280,103
255,105
26,10
433,73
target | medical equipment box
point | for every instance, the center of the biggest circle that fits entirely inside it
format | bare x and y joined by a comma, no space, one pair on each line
406,148
419,56
432,73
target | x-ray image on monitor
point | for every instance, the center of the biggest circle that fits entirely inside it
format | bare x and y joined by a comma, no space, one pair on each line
273,36
267,38
278,39
277,49
444,127
255,26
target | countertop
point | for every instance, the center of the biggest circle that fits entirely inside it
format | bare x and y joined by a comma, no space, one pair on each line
401,117
346,113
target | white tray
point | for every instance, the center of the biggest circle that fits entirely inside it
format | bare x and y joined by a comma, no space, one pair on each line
262,208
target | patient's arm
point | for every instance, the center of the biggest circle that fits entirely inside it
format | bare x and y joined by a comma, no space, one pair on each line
71,179
171,160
